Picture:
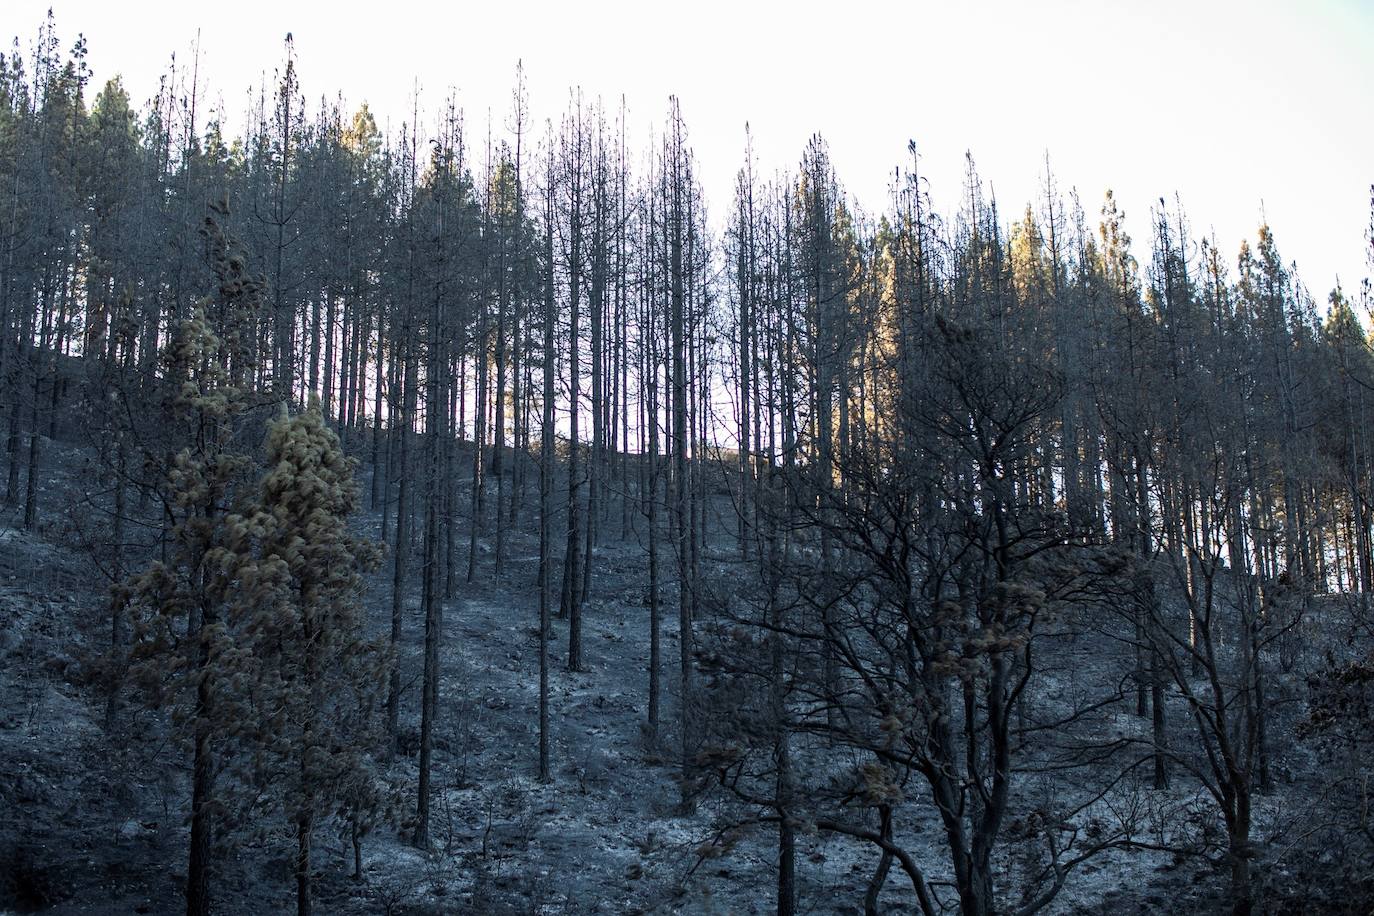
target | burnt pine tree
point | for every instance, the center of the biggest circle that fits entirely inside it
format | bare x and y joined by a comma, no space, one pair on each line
206,409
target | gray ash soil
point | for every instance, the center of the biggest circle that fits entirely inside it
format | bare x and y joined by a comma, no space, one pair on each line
95,822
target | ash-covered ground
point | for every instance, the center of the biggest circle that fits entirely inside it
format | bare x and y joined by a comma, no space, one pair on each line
96,821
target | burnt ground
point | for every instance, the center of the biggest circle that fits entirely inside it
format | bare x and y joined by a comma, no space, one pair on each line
95,822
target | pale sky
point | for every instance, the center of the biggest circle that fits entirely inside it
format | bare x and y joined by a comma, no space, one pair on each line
1241,108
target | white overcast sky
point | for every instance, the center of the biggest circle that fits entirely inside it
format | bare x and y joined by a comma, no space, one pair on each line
1241,108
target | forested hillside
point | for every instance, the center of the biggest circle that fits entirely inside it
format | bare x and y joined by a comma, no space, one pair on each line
469,518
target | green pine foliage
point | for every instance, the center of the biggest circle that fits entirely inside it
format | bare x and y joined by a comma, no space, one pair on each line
308,676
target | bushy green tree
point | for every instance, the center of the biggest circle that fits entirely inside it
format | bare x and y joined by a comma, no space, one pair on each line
300,655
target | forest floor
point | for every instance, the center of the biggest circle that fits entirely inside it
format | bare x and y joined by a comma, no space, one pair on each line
95,823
